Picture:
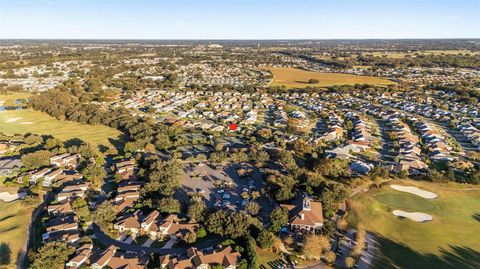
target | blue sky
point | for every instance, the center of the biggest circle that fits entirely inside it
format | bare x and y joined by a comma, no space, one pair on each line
239,19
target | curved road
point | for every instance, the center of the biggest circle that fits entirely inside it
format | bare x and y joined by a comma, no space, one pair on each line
107,240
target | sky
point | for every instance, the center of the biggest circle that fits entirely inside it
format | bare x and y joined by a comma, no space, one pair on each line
238,19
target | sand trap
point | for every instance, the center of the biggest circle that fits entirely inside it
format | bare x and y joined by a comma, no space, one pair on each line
415,216
12,120
26,122
8,197
416,191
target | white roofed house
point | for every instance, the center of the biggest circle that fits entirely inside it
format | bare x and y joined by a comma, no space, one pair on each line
48,178
38,175
65,160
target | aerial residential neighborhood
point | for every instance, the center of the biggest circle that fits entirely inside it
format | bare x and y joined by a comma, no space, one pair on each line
239,134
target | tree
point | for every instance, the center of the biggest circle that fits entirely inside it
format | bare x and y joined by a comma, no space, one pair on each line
190,237
164,177
201,233
251,250
36,159
350,262
313,81
333,168
94,173
169,205
265,133
360,239
252,208
315,246
196,210
215,222
162,141
33,140
80,206
278,219
229,224
53,143
330,257
265,239
52,255
105,213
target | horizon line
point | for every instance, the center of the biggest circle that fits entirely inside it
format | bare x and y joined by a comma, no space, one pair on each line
253,39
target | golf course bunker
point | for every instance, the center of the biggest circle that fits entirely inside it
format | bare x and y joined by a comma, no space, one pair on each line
416,191
404,201
12,120
415,216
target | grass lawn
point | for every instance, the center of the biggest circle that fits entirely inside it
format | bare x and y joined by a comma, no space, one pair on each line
268,259
13,231
296,78
31,121
449,241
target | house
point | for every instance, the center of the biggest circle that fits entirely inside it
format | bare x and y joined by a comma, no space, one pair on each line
62,228
39,174
109,258
126,169
360,167
78,190
48,178
65,160
226,258
62,208
82,255
9,164
305,217
128,223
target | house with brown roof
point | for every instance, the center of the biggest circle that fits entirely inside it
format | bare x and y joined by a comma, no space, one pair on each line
196,259
171,225
128,223
62,208
82,255
305,217
109,258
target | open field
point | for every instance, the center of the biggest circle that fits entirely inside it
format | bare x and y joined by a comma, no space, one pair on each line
450,240
296,78
13,231
31,121
400,55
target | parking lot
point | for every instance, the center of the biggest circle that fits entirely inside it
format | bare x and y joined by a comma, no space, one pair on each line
222,186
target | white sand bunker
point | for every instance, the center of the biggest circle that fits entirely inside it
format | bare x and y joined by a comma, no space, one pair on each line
12,120
415,216
26,122
416,191
8,197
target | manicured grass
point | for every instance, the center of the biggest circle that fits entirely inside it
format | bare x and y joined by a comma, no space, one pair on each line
406,201
296,78
31,121
13,231
449,241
